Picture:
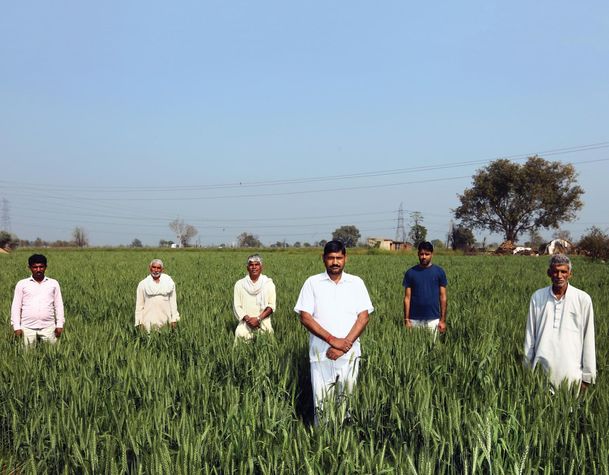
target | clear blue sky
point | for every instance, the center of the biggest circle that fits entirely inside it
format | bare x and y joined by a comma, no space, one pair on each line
273,117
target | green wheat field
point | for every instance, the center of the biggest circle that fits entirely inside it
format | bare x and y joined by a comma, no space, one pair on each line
109,399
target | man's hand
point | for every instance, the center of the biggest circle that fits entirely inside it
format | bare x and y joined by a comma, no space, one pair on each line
342,344
58,332
173,325
18,333
407,323
442,326
334,353
252,322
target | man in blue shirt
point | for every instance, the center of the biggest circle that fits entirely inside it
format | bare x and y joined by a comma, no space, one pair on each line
425,292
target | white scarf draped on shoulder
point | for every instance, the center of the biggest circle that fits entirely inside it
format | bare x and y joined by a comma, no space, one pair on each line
164,286
257,289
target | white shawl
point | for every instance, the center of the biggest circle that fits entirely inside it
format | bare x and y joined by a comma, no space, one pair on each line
257,289
164,286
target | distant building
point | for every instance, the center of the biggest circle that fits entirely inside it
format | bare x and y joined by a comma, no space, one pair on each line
388,244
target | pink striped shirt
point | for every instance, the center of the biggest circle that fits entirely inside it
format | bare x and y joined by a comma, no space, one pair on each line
37,305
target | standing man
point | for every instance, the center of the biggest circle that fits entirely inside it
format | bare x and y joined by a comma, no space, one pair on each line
425,296
334,308
254,300
156,304
37,309
560,329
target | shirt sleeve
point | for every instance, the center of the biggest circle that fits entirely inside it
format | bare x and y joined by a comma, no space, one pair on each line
16,307
443,279
529,335
139,305
59,311
173,305
271,296
406,280
364,299
238,309
306,299
589,351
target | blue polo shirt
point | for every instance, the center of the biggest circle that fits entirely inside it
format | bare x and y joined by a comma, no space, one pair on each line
425,283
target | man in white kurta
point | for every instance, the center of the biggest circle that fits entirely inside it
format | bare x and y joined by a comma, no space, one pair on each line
560,329
254,300
156,303
334,307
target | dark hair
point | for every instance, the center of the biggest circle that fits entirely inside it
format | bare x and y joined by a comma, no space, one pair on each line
425,246
36,259
335,246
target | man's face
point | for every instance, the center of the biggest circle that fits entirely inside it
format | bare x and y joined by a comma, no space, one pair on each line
254,269
560,275
335,262
38,271
425,257
156,270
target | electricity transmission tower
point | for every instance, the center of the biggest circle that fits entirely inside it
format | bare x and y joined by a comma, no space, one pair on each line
400,232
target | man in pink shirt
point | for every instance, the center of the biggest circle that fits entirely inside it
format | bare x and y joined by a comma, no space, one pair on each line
37,310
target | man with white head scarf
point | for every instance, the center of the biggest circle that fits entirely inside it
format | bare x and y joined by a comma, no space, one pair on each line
156,303
254,301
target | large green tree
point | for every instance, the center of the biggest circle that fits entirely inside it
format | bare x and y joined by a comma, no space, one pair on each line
347,234
461,238
248,240
418,232
511,199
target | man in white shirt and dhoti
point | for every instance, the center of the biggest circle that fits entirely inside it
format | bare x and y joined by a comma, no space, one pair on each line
334,308
560,329
254,300
156,302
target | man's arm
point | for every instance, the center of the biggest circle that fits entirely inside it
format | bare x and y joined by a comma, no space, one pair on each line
443,306
342,344
356,330
530,335
173,305
589,350
16,310
59,312
139,305
239,310
271,301
407,297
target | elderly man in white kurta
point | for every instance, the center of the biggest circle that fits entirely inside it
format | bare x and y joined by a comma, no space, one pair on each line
560,329
156,303
334,308
254,300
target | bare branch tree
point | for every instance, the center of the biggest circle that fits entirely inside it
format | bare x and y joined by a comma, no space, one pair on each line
184,232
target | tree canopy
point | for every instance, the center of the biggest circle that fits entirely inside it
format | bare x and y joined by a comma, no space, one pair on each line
349,235
418,232
8,240
248,240
461,238
511,199
80,237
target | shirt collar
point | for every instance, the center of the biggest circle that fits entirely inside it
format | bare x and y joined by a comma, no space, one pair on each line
43,280
343,278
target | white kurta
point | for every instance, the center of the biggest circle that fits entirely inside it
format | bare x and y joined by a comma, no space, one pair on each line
335,306
560,335
246,302
156,303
